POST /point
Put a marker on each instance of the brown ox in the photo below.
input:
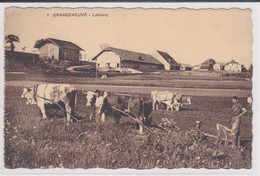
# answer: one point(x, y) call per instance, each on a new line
point(43, 94)
point(107, 104)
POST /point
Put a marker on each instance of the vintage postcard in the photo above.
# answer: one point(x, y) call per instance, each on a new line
point(136, 88)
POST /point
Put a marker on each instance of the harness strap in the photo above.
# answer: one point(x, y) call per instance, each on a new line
point(35, 92)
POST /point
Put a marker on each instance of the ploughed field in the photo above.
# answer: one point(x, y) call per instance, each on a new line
point(32, 142)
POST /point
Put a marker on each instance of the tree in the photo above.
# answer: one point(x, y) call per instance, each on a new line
point(210, 62)
point(11, 39)
point(38, 41)
point(250, 70)
point(104, 46)
point(243, 68)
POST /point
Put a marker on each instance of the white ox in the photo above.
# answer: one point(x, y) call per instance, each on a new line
point(51, 94)
point(173, 101)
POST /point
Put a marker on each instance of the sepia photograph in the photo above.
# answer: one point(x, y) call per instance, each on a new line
point(138, 88)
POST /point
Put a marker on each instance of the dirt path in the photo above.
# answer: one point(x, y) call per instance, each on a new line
point(148, 90)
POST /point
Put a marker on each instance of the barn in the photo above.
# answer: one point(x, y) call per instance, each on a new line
point(219, 66)
point(233, 66)
point(58, 50)
point(115, 59)
point(205, 67)
point(168, 62)
point(185, 67)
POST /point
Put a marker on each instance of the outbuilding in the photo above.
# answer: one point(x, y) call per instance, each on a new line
point(185, 67)
point(58, 50)
point(219, 66)
point(168, 62)
point(115, 59)
point(233, 66)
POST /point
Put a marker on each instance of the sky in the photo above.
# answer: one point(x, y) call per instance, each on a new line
point(189, 36)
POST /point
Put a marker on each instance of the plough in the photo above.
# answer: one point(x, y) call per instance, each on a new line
point(226, 131)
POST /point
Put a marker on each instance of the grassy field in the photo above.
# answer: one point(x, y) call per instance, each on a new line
point(174, 81)
point(32, 142)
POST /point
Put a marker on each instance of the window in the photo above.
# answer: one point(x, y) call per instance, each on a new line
point(117, 65)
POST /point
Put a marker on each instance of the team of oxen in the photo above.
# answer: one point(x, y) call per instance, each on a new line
point(104, 103)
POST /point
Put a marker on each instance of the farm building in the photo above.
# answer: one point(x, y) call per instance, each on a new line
point(58, 50)
point(233, 66)
point(168, 62)
point(115, 59)
point(185, 67)
point(219, 66)
point(204, 67)
point(196, 67)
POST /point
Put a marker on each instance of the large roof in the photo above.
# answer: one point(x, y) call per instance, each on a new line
point(221, 63)
point(168, 58)
point(233, 62)
point(59, 43)
point(131, 56)
point(204, 66)
point(185, 65)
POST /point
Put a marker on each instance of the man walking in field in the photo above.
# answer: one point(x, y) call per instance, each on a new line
point(237, 112)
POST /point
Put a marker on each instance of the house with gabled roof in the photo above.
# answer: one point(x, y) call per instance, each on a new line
point(185, 67)
point(168, 62)
point(59, 50)
point(218, 66)
point(115, 59)
point(233, 66)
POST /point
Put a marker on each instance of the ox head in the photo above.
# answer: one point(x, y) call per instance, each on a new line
point(29, 95)
point(176, 103)
point(95, 98)
point(91, 97)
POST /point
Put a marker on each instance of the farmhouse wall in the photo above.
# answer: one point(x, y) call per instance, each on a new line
point(218, 67)
point(233, 67)
point(49, 50)
point(185, 68)
point(157, 56)
point(69, 54)
point(108, 59)
point(139, 65)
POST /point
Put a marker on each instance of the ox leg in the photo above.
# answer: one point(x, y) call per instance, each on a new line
point(172, 107)
point(117, 118)
point(154, 104)
point(42, 108)
point(103, 118)
point(68, 111)
point(157, 106)
point(141, 129)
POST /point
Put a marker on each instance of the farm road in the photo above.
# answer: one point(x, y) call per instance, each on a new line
point(148, 90)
